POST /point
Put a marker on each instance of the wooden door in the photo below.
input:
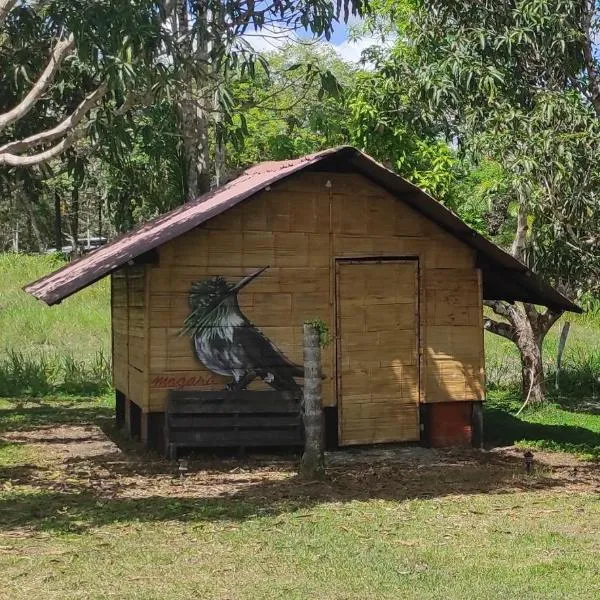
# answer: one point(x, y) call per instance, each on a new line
point(377, 351)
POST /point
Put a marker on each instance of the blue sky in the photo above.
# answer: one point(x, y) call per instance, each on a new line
point(350, 51)
point(340, 33)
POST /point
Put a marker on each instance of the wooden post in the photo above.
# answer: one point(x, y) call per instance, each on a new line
point(561, 347)
point(312, 465)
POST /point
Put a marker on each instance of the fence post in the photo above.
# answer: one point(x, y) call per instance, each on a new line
point(312, 464)
point(559, 353)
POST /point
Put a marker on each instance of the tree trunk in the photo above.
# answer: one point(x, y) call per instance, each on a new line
point(123, 213)
point(16, 237)
point(519, 245)
point(193, 112)
point(532, 367)
point(58, 243)
point(99, 219)
point(32, 226)
point(194, 131)
point(527, 328)
point(312, 465)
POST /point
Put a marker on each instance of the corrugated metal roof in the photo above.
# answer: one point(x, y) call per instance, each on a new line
point(504, 277)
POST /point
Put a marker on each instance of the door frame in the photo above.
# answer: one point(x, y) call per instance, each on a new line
point(339, 261)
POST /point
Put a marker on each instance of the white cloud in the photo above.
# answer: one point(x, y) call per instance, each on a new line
point(275, 37)
point(270, 38)
point(351, 50)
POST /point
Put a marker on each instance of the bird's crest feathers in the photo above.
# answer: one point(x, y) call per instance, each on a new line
point(204, 299)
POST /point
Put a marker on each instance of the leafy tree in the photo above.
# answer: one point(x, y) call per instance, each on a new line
point(142, 172)
point(309, 99)
point(132, 55)
point(386, 122)
point(517, 84)
point(104, 79)
point(63, 64)
point(295, 107)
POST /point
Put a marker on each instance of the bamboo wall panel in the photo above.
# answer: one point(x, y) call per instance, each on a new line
point(137, 387)
point(120, 332)
point(298, 228)
point(129, 326)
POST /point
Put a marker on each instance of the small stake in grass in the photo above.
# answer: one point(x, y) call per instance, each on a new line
point(312, 465)
point(528, 457)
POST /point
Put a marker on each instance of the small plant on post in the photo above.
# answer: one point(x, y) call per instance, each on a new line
point(315, 336)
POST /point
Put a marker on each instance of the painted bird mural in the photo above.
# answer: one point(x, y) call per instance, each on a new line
point(227, 343)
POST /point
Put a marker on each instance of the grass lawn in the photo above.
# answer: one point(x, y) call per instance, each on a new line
point(574, 429)
point(79, 518)
point(64, 348)
point(29, 325)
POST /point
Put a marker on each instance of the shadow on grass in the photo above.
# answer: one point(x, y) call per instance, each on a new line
point(30, 414)
point(504, 429)
point(130, 486)
point(80, 506)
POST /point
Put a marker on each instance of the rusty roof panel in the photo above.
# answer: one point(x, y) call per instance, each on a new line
point(98, 263)
point(504, 276)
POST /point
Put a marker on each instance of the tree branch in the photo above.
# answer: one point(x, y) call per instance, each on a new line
point(532, 314)
point(5, 8)
point(13, 160)
point(588, 57)
point(61, 129)
point(73, 134)
point(61, 50)
point(499, 328)
point(548, 318)
point(500, 307)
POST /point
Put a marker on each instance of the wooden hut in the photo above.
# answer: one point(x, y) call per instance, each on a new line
point(208, 303)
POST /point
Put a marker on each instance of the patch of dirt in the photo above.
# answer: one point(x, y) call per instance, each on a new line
point(555, 460)
point(82, 460)
point(67, 441)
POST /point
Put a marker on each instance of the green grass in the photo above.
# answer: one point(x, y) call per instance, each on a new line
point(26, 414)
point(548, 428)
point(18, 414)
point(570, 421)
point(581, 358)
point(455, 548)
point(64, 348)
point(91, 526)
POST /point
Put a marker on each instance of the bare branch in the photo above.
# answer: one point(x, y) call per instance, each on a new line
point(72, 135)
point(503, 329)
point(61, 129)
point(61, 50)
point(13, 160)
point(548, 318)
point(500, 307)
point(5, 8)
